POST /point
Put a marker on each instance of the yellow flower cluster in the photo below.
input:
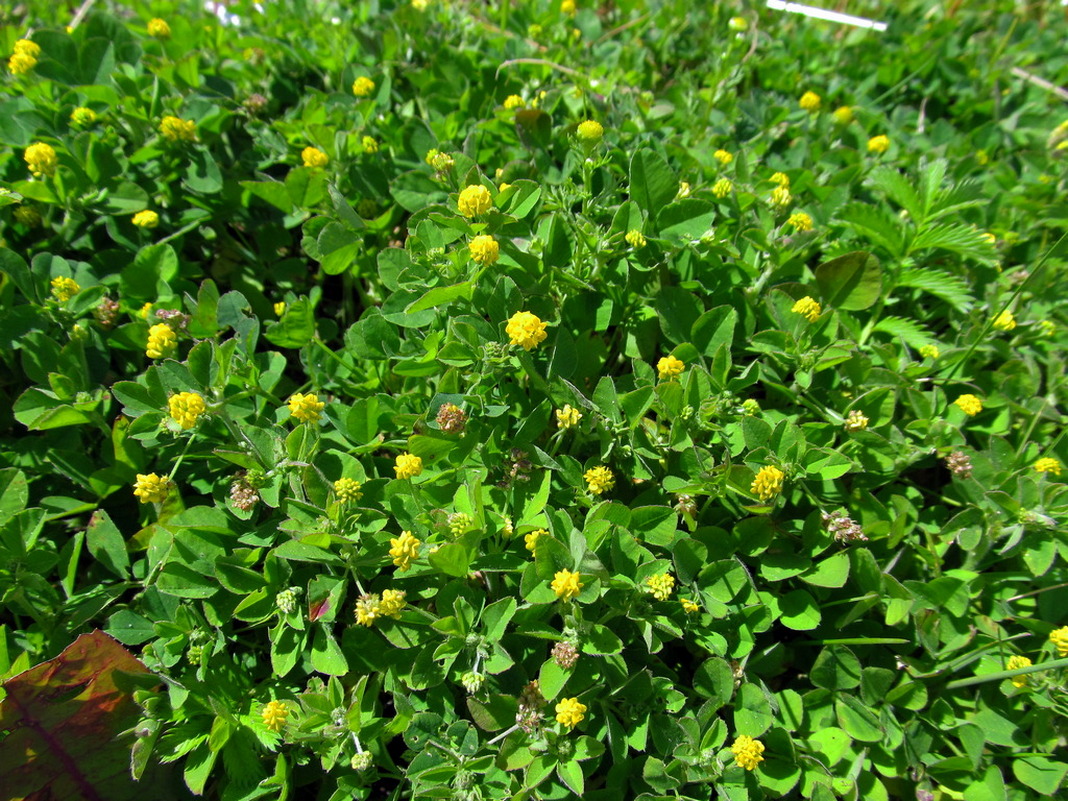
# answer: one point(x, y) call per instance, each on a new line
point(405, 550)
point(689, 607)
point(1016, 662)
point(146, 219)
point(635, 238)
point(810, 102)
point(162, 341)
point(800, 221)
point(526, 330)
point(63, 288)
point(767, 483)
point(566, 585)
point(485, 249)
point(159, 29)
point(568, 7)
point(808, 308)
point(371, 607)
point(722, 188)
point(856, 421)
point(306, 408)
point(1005, 321)
point(589, 132)
point(1059, 638)
point(669, 366)
point(570, 712)
point(843, 115)
point(781, 178)
point(748, 753)
point(780, 197)
point(82, 117)
point(474, 200)
point(567, 417)
point(723, 157)
point(347, 490)
point(661, 586)
point(599, 479)
point(186, 408)
point(930, 351)
point(392, 603)
point(1047, 464)
point(408, 466)
point(442, 162)
point(879, 144)
point(513, 101)
point(370, 145)
point(314, 158)
point(151, 488)
point(175, 129)
point(969, 404)
point(531, 539)
point(363, 86)
point(41, 159)
point(24, 58)
point(275, 715)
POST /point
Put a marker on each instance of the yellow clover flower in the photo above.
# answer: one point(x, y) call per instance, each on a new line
point(363, 86)
point(175, 129)
point(370, 145)
point(767, 483)
point(485, 249)
point(159, 29)
point(1005, 321)
point(1016, 662)
point(27, 47)
point(879, 144)
point(568, 7)
point(151, 488)
point(808, 308)
point(513, 101)
point(810, 102)
point(185, 408)
point(274, 715)
point(313, 157)
point(723, 157)
point(689, 607)
point(82, 117)
point(780, 197)
point(969, 404)
point(748, 752)
point(162, 341)
point(474, 200)
point(843, 115)
point(661, 586)
point(566, 585)
point(589, 132)
point(669, 366)
point(21, 63)
point(367, 609)
point(347, 490)
point(781, 178)
point(1059, 638)
point(567, 417)
point(408, 466)
point(722, 188)
point(526, 330)
point(306, 408)
point(570, 712)
point(800, 221)
point(41, 159)
point(531, 539)
point(146, 219)
point(405, 550)
point(856, 421)
point(279, 308)
point(599, 479)
point(930, 351)
point(392, 603)
point(635, 238)
point(1047, 464)
point(63, 288)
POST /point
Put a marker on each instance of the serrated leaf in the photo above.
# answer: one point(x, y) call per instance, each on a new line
point(876, 224)
point(914, 334)
point(851, 282)
point(950, 288)
point(898, 188)
point(957, 238)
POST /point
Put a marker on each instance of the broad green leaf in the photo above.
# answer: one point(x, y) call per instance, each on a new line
point(851, 282)
point(652, 182)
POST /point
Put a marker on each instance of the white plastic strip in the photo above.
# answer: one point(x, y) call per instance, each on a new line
point(830, 16)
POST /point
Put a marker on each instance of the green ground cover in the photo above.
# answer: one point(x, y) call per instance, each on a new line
point(634, 400)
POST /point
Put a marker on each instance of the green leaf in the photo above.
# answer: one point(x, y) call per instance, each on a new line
point(441, 296)
point(913, 334)
point(202, 173)
point(831, 572)
point(326, 655)
point(1044, 776)
point(686, 220)
point(966, 240)
point(859, 721)
point(14, 492)
point(338, 247)
point(800, 611)
point(273, 192)
point(851, 282)
point(836, 668)
point(452, 559)
point(106, 543)
point(875, 223)
point(652, 182)
point(570, 773)
point(296, 328)
point(714, 680)
point(898, 188)
point(950, 288)
point(130, 628)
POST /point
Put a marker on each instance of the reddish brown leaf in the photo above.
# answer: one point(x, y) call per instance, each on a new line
point(62, 718)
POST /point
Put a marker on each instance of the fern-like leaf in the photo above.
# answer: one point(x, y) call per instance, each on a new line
point(874, 224)
point(899, 190)
point(914, 334)
point(964, 195)
point(951, 289)
point(957, 238)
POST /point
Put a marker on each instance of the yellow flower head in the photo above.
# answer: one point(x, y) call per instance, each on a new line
point(566, 585)
point(367, 609)
point(279, 308)
point(484, 249)
point(1016, 662)
point(186, 408)
point(1005, 321)
point(748, 753)
point(810, 102)
point(21, 63)
point(723, 157)
point(879, 144)
point(152, 488)
point(570, 712)
point(635, 239)
point(159, 29)
point(781, 178)
point(800, 221)
point(568, 7)
point(275, 715)
point(306, 408)
point(27, 47)
point(526, 330)
point(780, 197)
point(722, 188)
point(175, 129)
point(767, 483)
point(82, 117)
point(347, 490)
point(162, 341)
point(363, 86)
point(474, 200)
point(1047, 464)
point(41, 159)
point(599, 479)
point(370, 145)
point(669, 367)
point(63, 288)
point(442, 162)
point(856, 421)
point(392, 603)
point(969, 404)
point(689, 607)
point(843, 115)
point(1059, 638)
point(146, 219)
point(684, 190)
point(313, 157)
point(405, 550)
point(738, 24)
point(568, 416)
point(1049, 328)
point(589, 132)
point(807, 308)
point(930, 351)
point(661, 586)
point(408, 466)
point(513, 101)
point(531, 539)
